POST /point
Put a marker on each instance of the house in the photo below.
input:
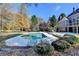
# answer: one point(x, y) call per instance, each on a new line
point(70, 23)
point(63, 25)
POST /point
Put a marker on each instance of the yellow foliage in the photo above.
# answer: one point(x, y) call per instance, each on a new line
point(17, 21)
point(22, 21)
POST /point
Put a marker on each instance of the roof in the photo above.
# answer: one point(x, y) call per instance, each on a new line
point(76, 11)
point(65, 18)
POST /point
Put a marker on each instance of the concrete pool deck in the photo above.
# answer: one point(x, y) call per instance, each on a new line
point(61, 34)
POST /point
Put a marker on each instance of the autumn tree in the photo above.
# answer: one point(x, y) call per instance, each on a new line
point(14, 21)
point(3, 8)
point(18, 21)
point(22, 23)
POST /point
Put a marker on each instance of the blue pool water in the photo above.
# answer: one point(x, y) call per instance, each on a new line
point(34, 36)
point(26, 39)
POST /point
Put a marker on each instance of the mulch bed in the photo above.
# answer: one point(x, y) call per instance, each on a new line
point(30, 52)
point(73, 51)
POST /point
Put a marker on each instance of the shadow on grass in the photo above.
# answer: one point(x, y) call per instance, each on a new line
point(2, 38)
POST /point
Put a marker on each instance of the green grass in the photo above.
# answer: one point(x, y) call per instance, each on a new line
point(2, 38)
point(73, 39)
point(77, 35)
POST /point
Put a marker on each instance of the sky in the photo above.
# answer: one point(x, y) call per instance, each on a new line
point(46, 10)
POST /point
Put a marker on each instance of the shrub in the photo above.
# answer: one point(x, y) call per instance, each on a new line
point(71, 39)
point(43, 49)
point(61, 45)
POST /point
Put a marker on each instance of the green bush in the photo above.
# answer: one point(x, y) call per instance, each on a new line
point(71, 39)
point(61, 45)
point(43, 49)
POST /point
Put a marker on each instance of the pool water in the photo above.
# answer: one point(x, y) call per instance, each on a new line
point(30, 39)
point(34, 36)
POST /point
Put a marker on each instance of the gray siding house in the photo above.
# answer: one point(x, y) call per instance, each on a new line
point(70, 23)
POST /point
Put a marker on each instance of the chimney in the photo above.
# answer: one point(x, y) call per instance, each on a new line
point(73, 9)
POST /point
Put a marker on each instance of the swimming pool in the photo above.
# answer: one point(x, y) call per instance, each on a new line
point(30, 39)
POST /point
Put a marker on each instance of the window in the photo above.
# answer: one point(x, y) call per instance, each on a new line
point(74, 21)
point(70, 22)
point(77, 21)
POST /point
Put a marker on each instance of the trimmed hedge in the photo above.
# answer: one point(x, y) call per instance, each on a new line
point(43, 49)
point(61, 45)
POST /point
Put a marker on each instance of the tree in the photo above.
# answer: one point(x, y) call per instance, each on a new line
point(18, 21)
point(3, 9)
point(23, 11)
point(22, 22)
point(52, 21)
point(62, 15)
point(43, 26)
point(24, 6)
point(34, 22)
point(14, 21)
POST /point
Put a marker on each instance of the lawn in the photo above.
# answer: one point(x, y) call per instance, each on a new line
point(2, 38)
point(77, 35)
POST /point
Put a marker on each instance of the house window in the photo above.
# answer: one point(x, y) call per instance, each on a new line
point(78, 17)
point(70, 22)
point(74, 21)
point(77, 21)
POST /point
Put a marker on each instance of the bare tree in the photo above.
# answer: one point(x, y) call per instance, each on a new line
point(3, 8)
